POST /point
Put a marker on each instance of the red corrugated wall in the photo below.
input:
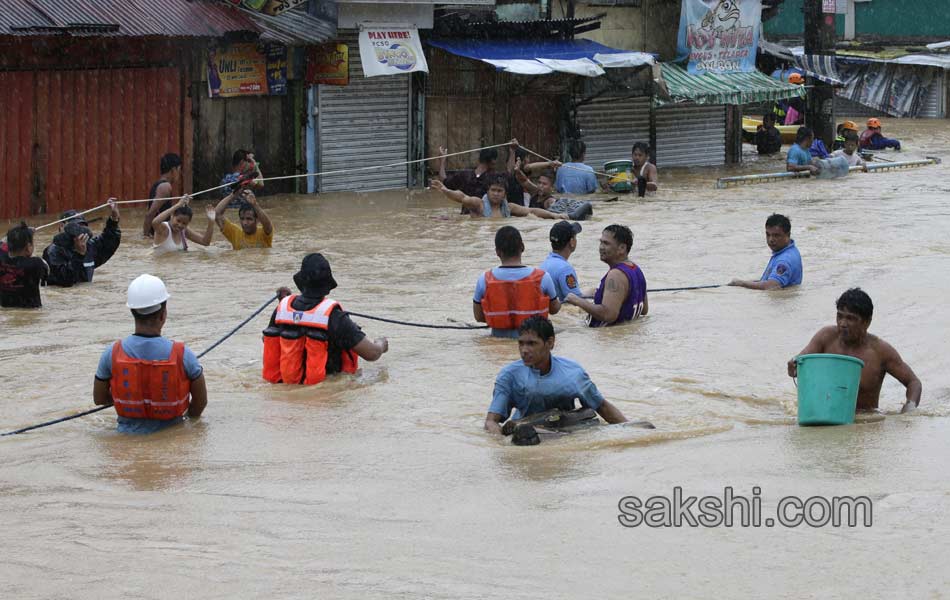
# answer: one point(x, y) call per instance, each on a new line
point(71, 139)
point(16, 142)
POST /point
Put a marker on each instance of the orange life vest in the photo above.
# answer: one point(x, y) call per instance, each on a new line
point(507, 304)
point(296, 350)
point(150, 389)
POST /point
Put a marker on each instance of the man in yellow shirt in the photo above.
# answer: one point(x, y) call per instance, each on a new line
point(255, 231)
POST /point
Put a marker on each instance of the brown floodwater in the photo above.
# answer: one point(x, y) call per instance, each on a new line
point(384, 485)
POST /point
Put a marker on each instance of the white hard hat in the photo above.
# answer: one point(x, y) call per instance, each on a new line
point(146, 294)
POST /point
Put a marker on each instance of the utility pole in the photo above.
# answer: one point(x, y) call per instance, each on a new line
point(820, 39)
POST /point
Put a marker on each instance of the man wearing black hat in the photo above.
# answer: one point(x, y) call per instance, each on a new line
point(75, 253)
point(310, 336)
point(563, 243)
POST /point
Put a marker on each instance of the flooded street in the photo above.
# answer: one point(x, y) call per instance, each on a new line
point(386, 485)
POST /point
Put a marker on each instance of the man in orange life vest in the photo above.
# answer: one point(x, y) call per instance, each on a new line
point(506, 296)
point(152, 381)
point(310, 336)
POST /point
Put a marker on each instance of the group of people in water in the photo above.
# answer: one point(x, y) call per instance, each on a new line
point(153, 381)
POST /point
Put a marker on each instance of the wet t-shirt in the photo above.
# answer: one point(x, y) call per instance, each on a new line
point(521, 390)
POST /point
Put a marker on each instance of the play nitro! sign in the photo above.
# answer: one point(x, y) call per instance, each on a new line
point(719, 36)
point(391, 51)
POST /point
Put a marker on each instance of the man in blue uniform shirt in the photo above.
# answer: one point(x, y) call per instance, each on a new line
point(540, 381)
point(785, 266)
point(563, 243)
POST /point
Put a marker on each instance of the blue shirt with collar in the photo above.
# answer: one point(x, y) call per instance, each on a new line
point(526, 391)
point(785, 266)
point(575, 178)
point(563, 274)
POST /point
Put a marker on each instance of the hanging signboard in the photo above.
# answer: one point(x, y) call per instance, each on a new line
point(391, 51)
point(719, 36)
point(328, 64)
point(270, 7)
point(247, 70)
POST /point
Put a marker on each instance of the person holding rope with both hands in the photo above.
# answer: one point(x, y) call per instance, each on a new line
point(309, 335)
point(152, 381)
point(174, 234)
point(494, 203)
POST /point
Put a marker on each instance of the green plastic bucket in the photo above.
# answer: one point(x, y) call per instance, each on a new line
point(621, 175)
point(827, 388)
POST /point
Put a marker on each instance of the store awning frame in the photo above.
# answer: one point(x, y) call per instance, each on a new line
point(542, 57)
point(677, 86)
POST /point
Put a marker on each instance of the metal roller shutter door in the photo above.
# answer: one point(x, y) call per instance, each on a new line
point(362, 124)
point(932, 104)
point(691, 136)
point(610, 127)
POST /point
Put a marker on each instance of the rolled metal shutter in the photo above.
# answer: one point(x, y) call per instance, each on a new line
point(610, 126)
point(845, 107)
point(932, 104)
point(363, 124)
point(691, 136)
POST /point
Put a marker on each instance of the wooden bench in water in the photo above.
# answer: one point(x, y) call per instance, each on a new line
point(724, 182)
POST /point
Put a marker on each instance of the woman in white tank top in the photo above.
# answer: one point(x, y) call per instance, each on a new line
point(174, 234)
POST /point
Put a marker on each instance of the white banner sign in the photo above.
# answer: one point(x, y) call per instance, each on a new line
point(391, 51)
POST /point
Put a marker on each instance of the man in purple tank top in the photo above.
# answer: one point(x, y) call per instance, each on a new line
point(622, 294)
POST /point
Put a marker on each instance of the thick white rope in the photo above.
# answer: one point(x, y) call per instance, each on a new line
point(282, 177)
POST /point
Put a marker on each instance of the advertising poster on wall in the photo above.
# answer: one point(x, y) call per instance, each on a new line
point(247, 70)
point(391, 51)
point(329, 64)
point(719, 36)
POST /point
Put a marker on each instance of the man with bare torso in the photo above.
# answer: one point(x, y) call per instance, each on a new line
point(850, 337)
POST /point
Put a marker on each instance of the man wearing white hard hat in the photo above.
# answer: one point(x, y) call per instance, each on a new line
point(152, 381)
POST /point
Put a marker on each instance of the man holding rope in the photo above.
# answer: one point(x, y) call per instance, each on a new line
point(152, 381)
point(494, 203)
point(310, 336)
point(622, 295)
point(75, 253)
point(256, 229)
point(785, 266)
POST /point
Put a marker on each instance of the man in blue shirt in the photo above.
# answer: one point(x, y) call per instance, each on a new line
point(563, 243)
point(799, 155)
point(506, 303)
point(540, 381)
point(785, 266)
point(575, 177)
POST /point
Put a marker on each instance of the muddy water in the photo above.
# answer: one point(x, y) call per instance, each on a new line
point(385, 486)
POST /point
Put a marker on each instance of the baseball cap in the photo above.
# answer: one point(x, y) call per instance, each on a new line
point(562, 231)
point(73, 216)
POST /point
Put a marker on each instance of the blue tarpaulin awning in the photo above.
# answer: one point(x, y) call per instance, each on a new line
point(540, 57)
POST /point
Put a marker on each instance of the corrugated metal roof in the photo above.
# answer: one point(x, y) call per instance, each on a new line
point(165, 18)
point(722, 88)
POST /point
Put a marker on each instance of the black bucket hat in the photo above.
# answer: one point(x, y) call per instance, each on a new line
point(315, 279)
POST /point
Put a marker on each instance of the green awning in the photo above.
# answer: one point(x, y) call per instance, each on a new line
point(721, 88)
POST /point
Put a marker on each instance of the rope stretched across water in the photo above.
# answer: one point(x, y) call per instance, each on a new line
point(98, 408)
point(282, 177)
point(411, 324)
